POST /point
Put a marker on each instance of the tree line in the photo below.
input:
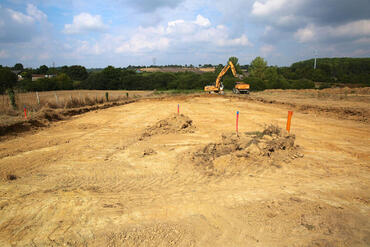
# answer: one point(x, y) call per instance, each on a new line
point(259, 75)
point(343, 70)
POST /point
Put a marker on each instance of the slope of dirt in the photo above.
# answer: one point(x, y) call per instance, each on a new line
point(46, 115)
point(89, 180)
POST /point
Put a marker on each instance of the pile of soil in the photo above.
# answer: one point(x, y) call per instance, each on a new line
point(176, 123)
point(271, 148)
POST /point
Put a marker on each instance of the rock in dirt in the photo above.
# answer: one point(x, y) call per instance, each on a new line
point(149, 151)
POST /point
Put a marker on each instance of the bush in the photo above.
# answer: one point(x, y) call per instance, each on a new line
point(278, 83)
point(256, 84)
point(324, 85)
point(12, 98)
point(302, 84)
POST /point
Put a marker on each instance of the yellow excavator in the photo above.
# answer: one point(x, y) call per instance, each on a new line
point(239, 87)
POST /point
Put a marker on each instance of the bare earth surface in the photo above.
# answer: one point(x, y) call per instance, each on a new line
point(138, 175)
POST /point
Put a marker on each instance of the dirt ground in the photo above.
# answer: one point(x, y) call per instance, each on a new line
point(140, 175)
point(347, 103)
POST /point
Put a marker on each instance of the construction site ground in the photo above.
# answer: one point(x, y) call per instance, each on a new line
point(129, 176)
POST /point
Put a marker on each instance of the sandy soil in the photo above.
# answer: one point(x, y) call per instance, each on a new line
point(138, 175)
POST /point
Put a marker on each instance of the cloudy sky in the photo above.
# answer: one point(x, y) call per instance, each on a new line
point(98, 33)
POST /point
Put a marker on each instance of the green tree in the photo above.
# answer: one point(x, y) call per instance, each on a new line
point(77, 72)
point(43, 69)
point(256, 84)
point(7, 79)
point(258, 67)
point(271, 74)
point(18, 66)
point(63, 82)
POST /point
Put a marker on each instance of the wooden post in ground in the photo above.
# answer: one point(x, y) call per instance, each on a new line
point(38, 98)
point(56, 97)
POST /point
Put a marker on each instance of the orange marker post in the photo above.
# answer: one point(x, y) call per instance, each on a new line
point(178, 108)
point(290, 114)
point(25, 112)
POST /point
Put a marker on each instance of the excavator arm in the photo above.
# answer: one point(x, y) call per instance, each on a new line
point(218, 88)
point(223, 72)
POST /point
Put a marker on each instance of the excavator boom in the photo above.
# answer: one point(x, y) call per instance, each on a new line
point(218, 87)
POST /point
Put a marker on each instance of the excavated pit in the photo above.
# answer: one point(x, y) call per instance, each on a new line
point(250, 151)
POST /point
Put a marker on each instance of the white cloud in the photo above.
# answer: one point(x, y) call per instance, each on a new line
point(34, 12)
point(180, 27)
point(311, 32)
point(20, 17)
point(241, 41)
point(177, 33)
point(270, 6)
point(141, 43)
point(356, 28)
point(287, 20)
point(305, 34)
point(202, 21)
point(85, 22)
point(267, 49)
point(17, 27)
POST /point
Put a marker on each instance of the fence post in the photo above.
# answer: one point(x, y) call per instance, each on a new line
point(38, 97)
point(56, 97)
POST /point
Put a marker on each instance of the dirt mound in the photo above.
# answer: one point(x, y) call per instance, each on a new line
point(250, 150)
point(176, 123)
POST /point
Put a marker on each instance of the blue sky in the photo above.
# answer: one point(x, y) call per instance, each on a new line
point(133, 32)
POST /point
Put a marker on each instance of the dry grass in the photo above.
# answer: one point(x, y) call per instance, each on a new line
point(62, 99)
point(331, 94)
point(178, 69)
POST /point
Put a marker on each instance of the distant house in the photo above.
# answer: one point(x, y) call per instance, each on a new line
point(40, 76)
point(18, 73)
point(35, 77)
